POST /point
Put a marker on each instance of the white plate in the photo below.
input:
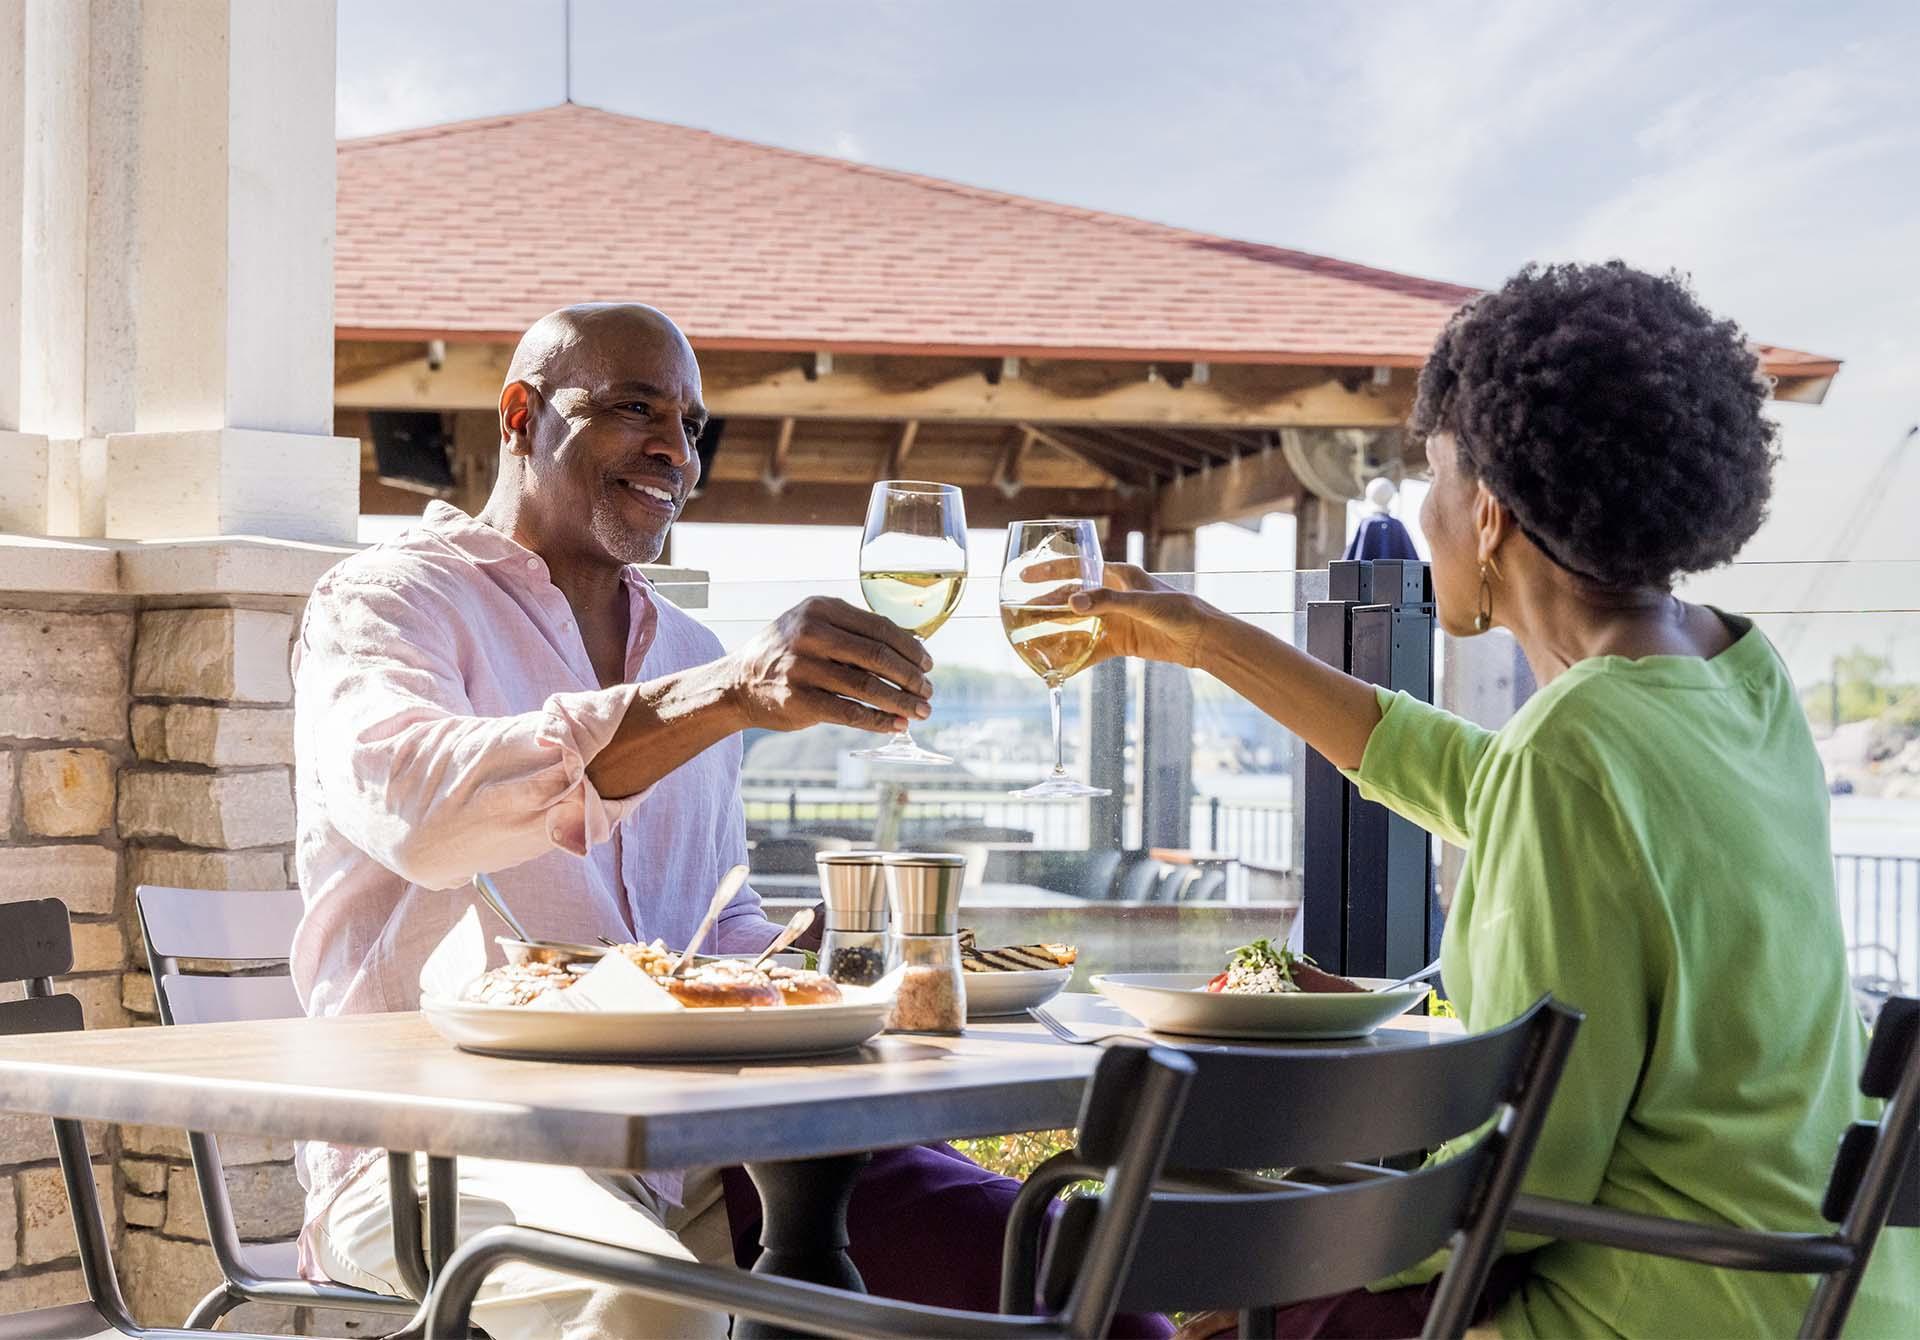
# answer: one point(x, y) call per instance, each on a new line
point(1178, 1002)
point(781, 1030)
point(994, 993)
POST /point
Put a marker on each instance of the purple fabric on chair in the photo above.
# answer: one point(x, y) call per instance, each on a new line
point(926, 1225)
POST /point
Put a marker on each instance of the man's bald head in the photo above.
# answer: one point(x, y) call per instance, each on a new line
point(598, 420)
point(554, 348)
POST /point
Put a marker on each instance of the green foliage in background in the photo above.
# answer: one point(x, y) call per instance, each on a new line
point(1015, 1155)
point(1860, 688)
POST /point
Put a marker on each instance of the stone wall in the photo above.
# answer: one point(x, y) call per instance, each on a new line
point(143, 740)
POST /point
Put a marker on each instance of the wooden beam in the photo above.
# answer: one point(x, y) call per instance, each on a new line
point(1006, 475)
point(776, 474)
point(1249, 486)
point(774, 386)
point(730, 502)
point(897, 462)
point(1129, 471)
point(1159, 446)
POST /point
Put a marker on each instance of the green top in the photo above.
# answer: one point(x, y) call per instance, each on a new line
point(1648, 841)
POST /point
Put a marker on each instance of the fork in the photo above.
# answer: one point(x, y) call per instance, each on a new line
point(1040, 1016)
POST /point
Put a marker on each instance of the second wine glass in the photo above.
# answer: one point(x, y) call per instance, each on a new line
point(913, 571)
point(1047, 563)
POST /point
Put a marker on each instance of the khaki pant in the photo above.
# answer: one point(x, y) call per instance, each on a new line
point(354, 1245)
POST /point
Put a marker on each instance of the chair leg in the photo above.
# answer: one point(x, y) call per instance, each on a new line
point(206, 1315)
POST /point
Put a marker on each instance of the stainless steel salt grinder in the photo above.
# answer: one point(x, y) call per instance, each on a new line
point(855, 892)
point(923, 891)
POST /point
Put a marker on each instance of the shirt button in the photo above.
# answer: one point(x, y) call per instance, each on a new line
point(533, 563)
point(566, 625)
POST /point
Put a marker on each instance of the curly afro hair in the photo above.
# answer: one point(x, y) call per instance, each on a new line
point(1619, 422)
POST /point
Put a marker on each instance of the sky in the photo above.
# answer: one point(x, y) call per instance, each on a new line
point(1770, 150)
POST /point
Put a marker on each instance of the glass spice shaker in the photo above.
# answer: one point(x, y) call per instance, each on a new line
point(923, 893)
point(853, 948)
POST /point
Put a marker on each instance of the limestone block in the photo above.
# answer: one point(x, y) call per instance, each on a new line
point(99, 999)
point(85, 878)
point(63, 675)
point(23, 1138)
point(24, 474)
point(46, 1218)
point(240, 655)
point(146, 1177)
point(66, 792)
point(242, 809)
point(164, 1277)
point(9, 1217)
point(136, 995)
point(46, 1288)
point(98, 946)
point(219, 737)
point(259, 869)
point(144, 1211)
point(236, 1151)
point(232, 481)
point(6, 792)
point(268, 1202)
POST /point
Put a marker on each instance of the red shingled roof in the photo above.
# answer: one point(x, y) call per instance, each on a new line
point(475, 229)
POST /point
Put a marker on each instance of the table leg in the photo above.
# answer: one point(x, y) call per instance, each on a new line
point(443, 1212)
point(803, 1227)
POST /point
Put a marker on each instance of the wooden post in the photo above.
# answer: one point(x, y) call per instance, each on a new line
point(476, 458)
point(1106, 727)
point(1320, 531)
point(1166, 733)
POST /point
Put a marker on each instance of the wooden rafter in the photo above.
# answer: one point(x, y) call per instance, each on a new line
point(1101, 457)
point(776, 475)
point(897, 461)
point(1159, 446)
point(1006, 475)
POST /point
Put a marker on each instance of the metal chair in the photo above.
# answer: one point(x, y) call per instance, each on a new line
point(252, 930)
point(1875, 1184)
point(1193, 1237)
point(36, 945)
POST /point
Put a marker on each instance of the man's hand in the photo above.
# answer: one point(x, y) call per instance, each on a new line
point(825, 660)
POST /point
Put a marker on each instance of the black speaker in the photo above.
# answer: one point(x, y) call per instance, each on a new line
point(412, 450)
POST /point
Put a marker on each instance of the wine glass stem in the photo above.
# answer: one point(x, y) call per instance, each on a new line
point(1059, 751)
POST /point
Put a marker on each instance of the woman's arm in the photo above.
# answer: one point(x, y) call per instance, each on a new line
point(1143, 616)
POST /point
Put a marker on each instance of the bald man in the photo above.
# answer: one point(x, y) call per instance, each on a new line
point(506, 693)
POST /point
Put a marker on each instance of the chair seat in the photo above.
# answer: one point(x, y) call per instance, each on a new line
point(72, 1321)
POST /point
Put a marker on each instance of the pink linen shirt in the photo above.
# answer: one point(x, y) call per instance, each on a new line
point(445, 710)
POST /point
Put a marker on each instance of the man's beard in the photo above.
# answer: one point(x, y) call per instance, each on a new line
point(619, 538)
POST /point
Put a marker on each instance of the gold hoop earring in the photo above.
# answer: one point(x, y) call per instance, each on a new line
point(1483, 617)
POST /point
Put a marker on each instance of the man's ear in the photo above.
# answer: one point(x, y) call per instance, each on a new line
point(516, 418)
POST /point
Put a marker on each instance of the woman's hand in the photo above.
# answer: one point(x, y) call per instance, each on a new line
point(1142, 616)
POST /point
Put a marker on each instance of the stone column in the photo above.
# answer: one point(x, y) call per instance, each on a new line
point(177, 310)
point(23, 456)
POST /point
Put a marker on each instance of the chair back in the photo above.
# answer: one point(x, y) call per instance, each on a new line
point(222, 925)
point(1255, 1242)
point(1876, 1175)
point(36, 945)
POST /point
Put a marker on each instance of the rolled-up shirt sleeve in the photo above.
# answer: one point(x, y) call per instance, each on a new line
point(411, 775)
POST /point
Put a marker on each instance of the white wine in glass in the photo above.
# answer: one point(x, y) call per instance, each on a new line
point(913, 571)
point(1048, 562)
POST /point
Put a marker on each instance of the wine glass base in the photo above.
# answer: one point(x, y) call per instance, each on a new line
point(1059, 788)
point(909, 752)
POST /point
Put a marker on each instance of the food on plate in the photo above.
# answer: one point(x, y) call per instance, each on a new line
point(1261, 969)
point(722, 983)
point(655, 960)
point(1015, 958)
point(521, 983)
point(799, 986)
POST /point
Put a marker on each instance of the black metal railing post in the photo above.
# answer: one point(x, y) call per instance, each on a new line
point(1366, 873)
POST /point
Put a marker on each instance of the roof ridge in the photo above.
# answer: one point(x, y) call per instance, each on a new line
point(1271, 253)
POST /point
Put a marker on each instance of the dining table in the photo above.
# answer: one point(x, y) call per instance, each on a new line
point(802, 1127)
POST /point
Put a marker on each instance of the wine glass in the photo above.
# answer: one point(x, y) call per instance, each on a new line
point(913, 570)
point(1048, 562)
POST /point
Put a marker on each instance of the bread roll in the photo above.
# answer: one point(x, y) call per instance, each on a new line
point(801, 987)
point(723, 984)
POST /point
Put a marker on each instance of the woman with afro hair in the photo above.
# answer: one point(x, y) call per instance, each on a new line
point(1647, 838)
